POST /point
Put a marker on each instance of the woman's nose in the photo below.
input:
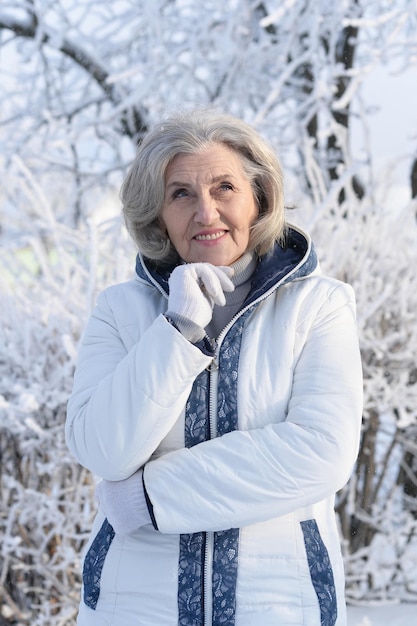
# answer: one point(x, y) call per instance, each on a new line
point(206, 209)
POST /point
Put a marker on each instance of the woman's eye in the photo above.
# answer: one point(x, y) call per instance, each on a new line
point(226, 187)
point(180, 193)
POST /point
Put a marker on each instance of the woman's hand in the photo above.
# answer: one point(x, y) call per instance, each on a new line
point(194, 289)
point(123, 502)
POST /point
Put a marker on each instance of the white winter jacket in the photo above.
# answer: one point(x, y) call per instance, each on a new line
point(243, 449)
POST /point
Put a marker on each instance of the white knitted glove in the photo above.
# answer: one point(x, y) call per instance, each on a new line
point(123, 503)
point(194, 289)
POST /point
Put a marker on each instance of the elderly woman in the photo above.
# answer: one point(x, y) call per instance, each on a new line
point(219, 396)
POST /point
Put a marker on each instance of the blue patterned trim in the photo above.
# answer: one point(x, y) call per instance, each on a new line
point(93, 564)
point(192, 546)
point(321, 572)
point(225, 565)
point(190, 580)
point(196, 412)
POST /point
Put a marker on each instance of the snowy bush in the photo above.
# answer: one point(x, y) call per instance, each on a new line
point(50, 274)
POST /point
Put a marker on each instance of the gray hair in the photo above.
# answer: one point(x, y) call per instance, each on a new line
point(143, 189)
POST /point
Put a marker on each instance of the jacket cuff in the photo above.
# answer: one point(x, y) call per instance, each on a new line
point(191, 331)
point(149, 503)
point(202, 342)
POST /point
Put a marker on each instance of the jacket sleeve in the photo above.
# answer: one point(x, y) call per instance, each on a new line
point(245, 477)
point(124, 402)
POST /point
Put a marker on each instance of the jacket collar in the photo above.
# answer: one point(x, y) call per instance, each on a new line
point(283, 264)
point(296, 259)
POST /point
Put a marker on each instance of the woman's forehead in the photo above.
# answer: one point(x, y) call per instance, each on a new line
point(212, 162)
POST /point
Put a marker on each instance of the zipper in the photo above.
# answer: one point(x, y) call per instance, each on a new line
point(209, 535)
point(213, 380)
point(208, 580)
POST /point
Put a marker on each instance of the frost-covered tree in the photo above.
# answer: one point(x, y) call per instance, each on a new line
point(81, 82)
point(93, 75)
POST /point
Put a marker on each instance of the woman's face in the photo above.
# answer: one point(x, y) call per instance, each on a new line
point(208, 206)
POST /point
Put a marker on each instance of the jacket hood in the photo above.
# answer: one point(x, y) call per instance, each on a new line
point(284, 263)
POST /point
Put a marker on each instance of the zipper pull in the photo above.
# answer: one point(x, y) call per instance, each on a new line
point(212, 342)
point(214, 365)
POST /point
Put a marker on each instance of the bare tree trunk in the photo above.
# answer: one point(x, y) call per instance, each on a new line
point(345, 55)
point(362, 531)
point(413, 177)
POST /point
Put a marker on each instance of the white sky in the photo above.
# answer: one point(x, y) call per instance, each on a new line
point(392, 120)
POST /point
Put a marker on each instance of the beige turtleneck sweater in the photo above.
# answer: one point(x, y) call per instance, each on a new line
point(242, 278)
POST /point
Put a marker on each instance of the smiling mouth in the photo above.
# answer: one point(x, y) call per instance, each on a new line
point(210, 237)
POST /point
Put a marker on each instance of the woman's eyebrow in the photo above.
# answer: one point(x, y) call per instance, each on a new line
point(215, 179)
point(177, 183)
